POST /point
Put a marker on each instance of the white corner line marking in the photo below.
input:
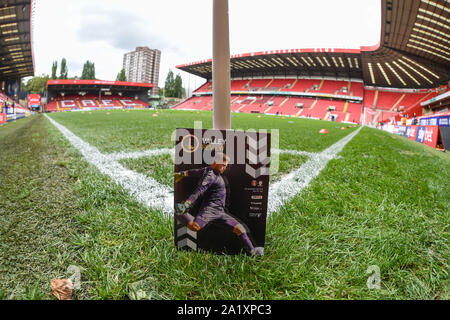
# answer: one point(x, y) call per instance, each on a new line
point(153, 194)
point(140, 154)
point(146, 190)
point(290, 185)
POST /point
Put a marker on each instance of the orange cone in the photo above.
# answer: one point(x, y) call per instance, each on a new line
point(323, 131)
point(343, 128)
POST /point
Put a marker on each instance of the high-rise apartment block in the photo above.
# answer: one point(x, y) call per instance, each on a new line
point(142, 65)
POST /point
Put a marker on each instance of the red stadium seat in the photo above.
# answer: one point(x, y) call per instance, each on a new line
point(382, 104)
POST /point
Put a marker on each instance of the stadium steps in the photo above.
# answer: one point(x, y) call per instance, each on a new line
point(321, 85)
point(345, 107)
point(299, 113)
point(354, 110)
point(246, 86)
point(175, 106)
point(121, 104)
point(314, 104)
point(398, 102)
point(327, 115)
point(236, 98)
point(268, 85)
point(375, 119)
point(421, 100)
point(375, 99)
point(242, 107)
point(285, 100)
point(267, 110)
point(292, 85)
point(347, 117)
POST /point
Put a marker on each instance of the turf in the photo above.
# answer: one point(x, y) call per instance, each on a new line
point(383, 202)
point(37, 209)
point(114, 131)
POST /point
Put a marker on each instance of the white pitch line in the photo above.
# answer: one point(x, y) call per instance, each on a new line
point(145, 189)
point(294, 152)
point(289, 186)
point(156, 152)
point(155, 195)
point(140, 154)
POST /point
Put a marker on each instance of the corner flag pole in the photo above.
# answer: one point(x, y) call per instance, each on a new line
point(221, 66)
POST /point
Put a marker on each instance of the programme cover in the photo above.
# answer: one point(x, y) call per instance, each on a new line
point(221, 190)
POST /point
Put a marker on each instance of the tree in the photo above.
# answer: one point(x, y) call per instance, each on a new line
point(54, 69)
point(92, 71)
point(178, 87)
point(169, 86)
point(84, 73)
point(121, 76)
point(88, 71)
point(37, 84)
point(64, 71)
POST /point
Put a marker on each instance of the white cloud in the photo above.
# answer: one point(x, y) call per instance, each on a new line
point(103, 30)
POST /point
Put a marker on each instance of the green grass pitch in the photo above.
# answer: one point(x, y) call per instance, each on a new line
point(384, 201)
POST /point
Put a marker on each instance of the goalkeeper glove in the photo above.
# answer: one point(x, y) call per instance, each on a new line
point(181, 208)
point(179, 176)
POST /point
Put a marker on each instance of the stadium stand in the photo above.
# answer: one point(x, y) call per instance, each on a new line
point(369, 98)
point(284, 103)
point(13, 114)
point(347, 88)
point(397, 77)
point(239, 85)
point(76, 95)
point(414, 99)
point(332, 87)
point(302, 85)
point(3, 97)
point(274, 96)
point(90, 102)
point(356, 89)
point(259, 84)
point(393, 78)
point(207, 87)
point(355, 110)
point(17, 106)
point(387, 100)
point(278, 84)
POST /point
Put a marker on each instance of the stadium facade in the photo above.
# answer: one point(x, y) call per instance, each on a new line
point(409, 66)
point(16, 55)
point(16, 44)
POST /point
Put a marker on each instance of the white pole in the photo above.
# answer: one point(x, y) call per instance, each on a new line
point(221, 66)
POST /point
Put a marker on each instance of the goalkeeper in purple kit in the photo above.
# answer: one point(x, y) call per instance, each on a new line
point(212, 191)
